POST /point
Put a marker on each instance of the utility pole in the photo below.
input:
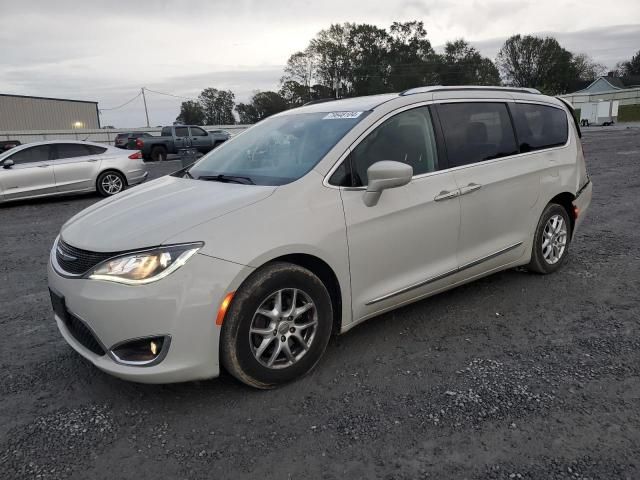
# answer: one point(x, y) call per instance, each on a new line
point(146, 112)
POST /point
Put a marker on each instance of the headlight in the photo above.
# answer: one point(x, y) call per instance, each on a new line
point(138, 268)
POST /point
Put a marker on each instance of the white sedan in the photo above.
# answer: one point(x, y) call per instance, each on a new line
point(59, 167)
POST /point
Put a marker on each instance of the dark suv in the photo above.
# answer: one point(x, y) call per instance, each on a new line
point(128, 139)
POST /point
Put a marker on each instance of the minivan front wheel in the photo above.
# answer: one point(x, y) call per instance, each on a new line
point(551, 241)
point(277, 327)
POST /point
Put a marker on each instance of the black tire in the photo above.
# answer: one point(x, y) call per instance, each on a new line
point(158, 154)
point(539, 262)
point(110, 177)
point(237, 345)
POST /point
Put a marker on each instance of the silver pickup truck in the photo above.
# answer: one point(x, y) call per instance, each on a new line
point(177, 137)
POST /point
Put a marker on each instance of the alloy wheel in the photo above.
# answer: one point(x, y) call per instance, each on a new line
point(554, 239)
point(283, 328)
point(112, 184)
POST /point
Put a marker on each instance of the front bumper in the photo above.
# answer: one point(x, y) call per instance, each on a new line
point(182, 306)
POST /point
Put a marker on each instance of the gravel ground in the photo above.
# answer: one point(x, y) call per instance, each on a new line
point(516, 376)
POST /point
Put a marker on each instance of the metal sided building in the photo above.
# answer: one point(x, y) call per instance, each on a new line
point(20, 113)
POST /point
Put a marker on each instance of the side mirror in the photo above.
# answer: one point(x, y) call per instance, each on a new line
point(383, 175)
point(7, 163)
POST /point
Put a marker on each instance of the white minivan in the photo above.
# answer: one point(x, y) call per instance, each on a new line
point(311, 222)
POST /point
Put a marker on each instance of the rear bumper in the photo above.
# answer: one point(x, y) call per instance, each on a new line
point(137, 177)
point(582, 202)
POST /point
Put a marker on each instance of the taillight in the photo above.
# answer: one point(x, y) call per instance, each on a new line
point(135, 156)
point(139, 143)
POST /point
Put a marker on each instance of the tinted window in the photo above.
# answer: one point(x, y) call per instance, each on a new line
point(166, 132)
point(278, 150)
point(198, 132)
point(94, 150)
point(30, 155)
point(407, 137)
point(71, 150)
point(539, 126)
point(182, 132)
point(474, 132)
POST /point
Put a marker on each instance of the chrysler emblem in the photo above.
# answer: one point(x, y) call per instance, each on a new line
point(66, 256)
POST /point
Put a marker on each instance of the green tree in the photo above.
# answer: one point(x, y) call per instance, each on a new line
point(330, 47)
point(261, 106)
point(461, 64)
point(413, 62)
point(191, 113)
point(586, 68)
point(630, 67)
point(536, 62)
point(299, 74)
point(368, 48)
point(218, 106)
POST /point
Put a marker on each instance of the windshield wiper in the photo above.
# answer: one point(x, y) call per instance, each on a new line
point(227, 179)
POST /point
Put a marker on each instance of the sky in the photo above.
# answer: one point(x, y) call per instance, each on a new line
point(106, 51)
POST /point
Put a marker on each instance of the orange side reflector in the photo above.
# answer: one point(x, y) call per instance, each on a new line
point(576, 212)
point(222, 311)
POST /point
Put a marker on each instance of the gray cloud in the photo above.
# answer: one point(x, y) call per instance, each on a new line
point(106, 51)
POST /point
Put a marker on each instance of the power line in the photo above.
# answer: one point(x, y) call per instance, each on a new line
point(170, 94)
point(124, 104)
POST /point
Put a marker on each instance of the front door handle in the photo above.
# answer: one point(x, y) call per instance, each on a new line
point(446, 195)
point(43, 166)
point(472, 187)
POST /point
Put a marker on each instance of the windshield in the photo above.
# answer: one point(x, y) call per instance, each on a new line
point(277, 150)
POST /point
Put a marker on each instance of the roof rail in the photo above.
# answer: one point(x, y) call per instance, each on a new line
point(442, 88)
point(320, 100)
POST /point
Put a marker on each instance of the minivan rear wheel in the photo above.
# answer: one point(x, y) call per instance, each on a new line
point(551, 240)
point(277, 327)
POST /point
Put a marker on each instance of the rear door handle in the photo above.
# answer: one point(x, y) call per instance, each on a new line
point(472, 187)
point(93, 160)
point(43, 166)
point(446, 195)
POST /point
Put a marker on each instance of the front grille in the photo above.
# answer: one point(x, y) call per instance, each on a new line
point(76, 261)
point(82, 334)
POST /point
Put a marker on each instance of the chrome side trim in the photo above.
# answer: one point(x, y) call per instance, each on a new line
point(489, 257)
point(443, 275)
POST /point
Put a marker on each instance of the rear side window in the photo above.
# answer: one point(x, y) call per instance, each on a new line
point(539, 126)
point(165, 132)
point(71, 150)
point(182, 132)
point(475, 132)
point(198, 132)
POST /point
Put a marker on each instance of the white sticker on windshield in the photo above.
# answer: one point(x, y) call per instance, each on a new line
point(341, 115)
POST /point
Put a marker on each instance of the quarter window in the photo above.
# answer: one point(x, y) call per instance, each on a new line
point(539, 126)
point(41, 153)
point(475, 132)
point(407, 137)
point(95, 150)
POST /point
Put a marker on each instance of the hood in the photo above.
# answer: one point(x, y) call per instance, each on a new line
point(146, 215)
